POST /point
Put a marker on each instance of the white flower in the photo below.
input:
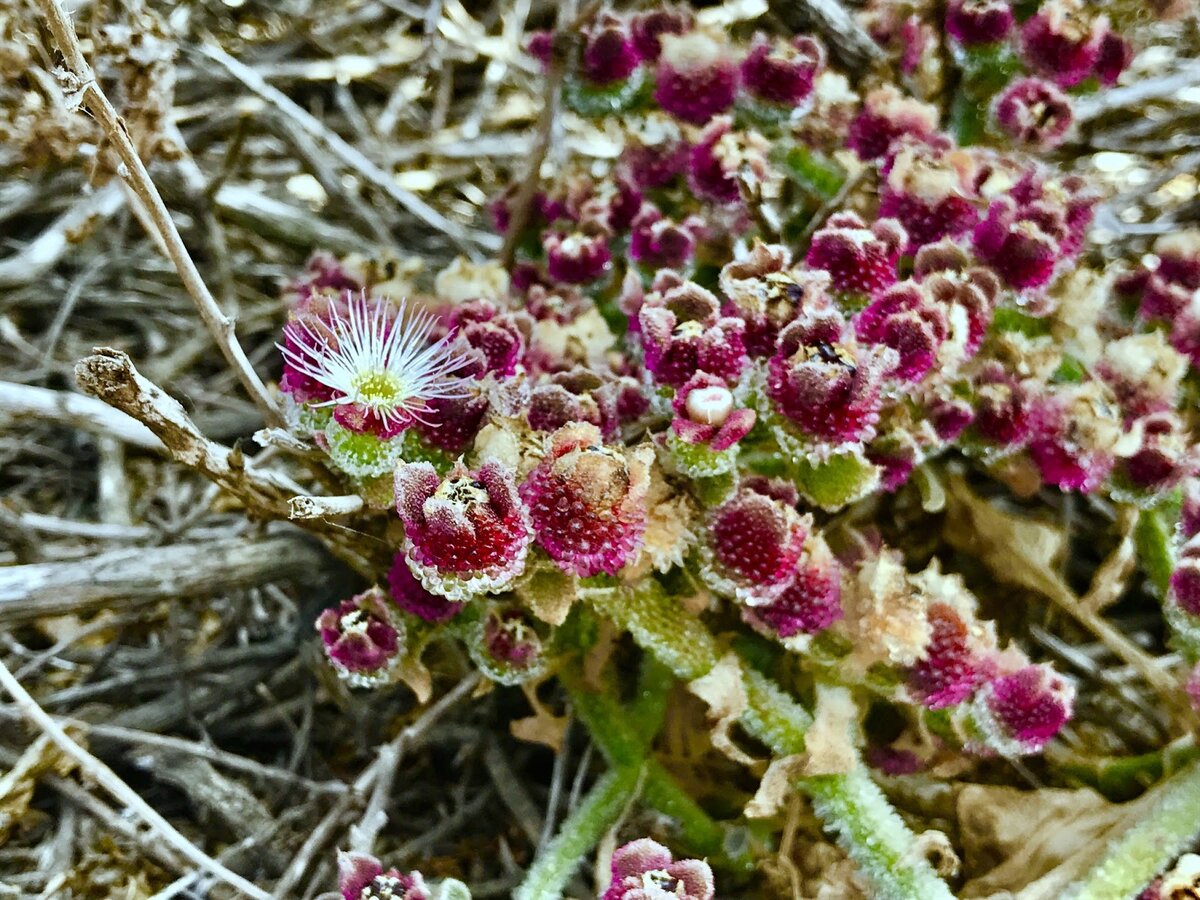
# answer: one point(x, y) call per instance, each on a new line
point(383, 364)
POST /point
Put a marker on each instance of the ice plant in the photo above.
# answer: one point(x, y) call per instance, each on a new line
point(362, 638)
point(1017, 713)
point(380, 366)
point(645, 870)
point(697, 77)
point(506, 645)
point(1034, 113)
point(975, 23)
point(707, 426)
point(465, 534)
point(587, 501)
point(861, 260)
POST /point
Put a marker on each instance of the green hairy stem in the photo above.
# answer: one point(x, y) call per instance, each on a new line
point(852, 806)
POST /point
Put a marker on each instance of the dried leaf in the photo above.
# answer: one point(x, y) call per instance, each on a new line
point(725, 693)
point(830, 738)
point(18, 783)
point(776, 786)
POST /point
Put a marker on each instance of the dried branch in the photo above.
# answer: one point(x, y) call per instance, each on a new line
point(22, 401)
point(102, 775)
point(81, 81)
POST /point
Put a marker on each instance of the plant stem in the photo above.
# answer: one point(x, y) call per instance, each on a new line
point(854, 808)
point(94, 99)
point(1150, 845)
point(580, 832)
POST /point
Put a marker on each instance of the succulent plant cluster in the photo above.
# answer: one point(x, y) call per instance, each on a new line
point(780, 300)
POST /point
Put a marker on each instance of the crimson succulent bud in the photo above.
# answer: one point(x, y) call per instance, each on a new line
point(824, 382)
point(1185, 330)
point(506, 645)
point(1062, 41)
point(1023, 248)
point(1020, 712)
point(974, 290)
point(650, 27)
point(782, 74)
point(1164, 457)
point(1116, 53)
point(656, 242)
point(1078, 435)
point(1002, 408)
point(655, 152)
point(755, 544)
point(645, 870)
point(683, 332)
point(411, 596)
point(362, 638)
point(576, 257)
point(905, 318)
point(465, 534)
point(948, 671)
point(887, 115)
point(697, 77)
point(578, 395)
point(588, 501)
point(979, 22)
point(608, 52)
point(809, 605)
point(362, 877)
point(860, 260)
point(723, 159)
point(767, 293)
point(928, 188)
point(1185, 580)
point(540, 45)
point(1034, 112)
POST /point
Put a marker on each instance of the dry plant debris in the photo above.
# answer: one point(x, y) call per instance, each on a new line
point(622, 451)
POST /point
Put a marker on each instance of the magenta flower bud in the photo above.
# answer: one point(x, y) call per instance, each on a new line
point(905, 318)
point(683, 332)
point(978, 22)
point(810, 604)
point(948, 671)
point(1062, 204)
point(1023, 250)
point(859, 260)
point(466, 534)
point(506, 645)
point(410, 596)
point(499, 336)
point(1164, 457)
point(645, 870)
point(588, 501)
point(1189, 514)
point(1185, 331)
point(887, 115)
point(656, 242)
point(782, 74)
point(576, 258)
point(1185, 580)
point(1062, 41)
point(655, 152)
point(1034, 112)
point(609, 205)
point(1179, 258)
point(697, 78)
point(1116, 53)
point(824, 382)
point(362, 638)
point(706, 413)
point(579, 395)
point(1021, 712)
point(767, 293)
point(723, 159)
point(945, 276)
point(754, 547)
point(927, 188)
point(609, 55)
point(1002, 408)
point(361, 877)
point(1078, 433)
point(540, 45)
point(950, 416)
point(648, 28)
point(325, 279)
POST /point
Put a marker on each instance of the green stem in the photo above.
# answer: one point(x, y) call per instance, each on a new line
point(624, 745)
point(1150, 845)
point(599, 810)
point(869, 830)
